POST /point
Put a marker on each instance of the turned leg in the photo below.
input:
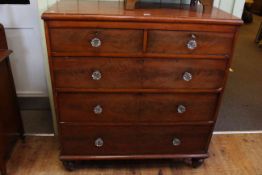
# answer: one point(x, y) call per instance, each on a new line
point(197, 162)
point(69, 165)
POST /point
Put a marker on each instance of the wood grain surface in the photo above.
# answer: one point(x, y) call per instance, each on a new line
point(124, 73)
point(115, 11)
point(136, 107)
point(229, 155)
point(133, 140)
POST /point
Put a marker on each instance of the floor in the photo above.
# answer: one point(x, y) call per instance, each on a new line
point(229, 155)
point(241, 109)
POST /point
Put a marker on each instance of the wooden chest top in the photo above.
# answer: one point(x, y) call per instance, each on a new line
point(115, 11)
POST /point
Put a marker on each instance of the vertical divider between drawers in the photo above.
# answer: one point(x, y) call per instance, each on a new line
point(145, 40)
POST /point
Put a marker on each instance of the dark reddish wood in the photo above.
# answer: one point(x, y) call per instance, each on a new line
point(145, 40)
point(156, 91)
point(129, 140)
point(4, 54)
point(175, 42)
point(112, 40)
point(143, 25)
point(123, 157)
point(142, 60)
point(225, 78)
point(138, 73)
point(10, 121)
point(136, 108)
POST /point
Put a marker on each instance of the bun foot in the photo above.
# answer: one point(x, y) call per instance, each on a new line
point(197, 162)
point(69, 165)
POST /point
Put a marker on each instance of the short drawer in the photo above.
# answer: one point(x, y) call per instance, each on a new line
point(182, 42)
point(126, 140)
point(136, 108)
point(117, 73)
point(96, 41)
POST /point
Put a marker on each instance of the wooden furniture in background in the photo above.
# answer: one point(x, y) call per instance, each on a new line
point(137, 84)
point(257, 7)
point(259, 36)
point(11, 126)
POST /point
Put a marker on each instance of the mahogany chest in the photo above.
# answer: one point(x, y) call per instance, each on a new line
point(137, 84)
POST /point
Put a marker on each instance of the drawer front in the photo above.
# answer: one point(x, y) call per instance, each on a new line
point(136, 108)
point(126, 140)
point(96, 41)
point(181, 42)
point(117, 73)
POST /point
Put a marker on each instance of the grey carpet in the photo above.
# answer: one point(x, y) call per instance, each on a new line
point(241, 109)
point(37, 121)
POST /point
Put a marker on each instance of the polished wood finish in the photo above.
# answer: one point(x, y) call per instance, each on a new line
point(10, 121)
point(133, 140)
point(145, 65)
point(174, 42)
point(4, 54)
point(106, 11)
point(136, 108)
point(112, 40)
point(229, 154)
point(138, 73)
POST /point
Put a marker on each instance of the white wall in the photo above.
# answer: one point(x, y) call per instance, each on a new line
point(234, 7)
point(24, 38)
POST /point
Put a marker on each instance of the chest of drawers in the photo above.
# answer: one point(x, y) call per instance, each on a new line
point(137, 84)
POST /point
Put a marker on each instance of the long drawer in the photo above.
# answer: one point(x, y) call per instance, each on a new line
point(136, 108)
point(182, 42)
point(96, 41)
point(138, 73)
point(134, 140)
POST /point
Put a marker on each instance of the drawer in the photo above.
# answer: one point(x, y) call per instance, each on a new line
point(126, 140)
point(136, 108)
point(96, 41)
point(181, 42)
point(117, 73)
